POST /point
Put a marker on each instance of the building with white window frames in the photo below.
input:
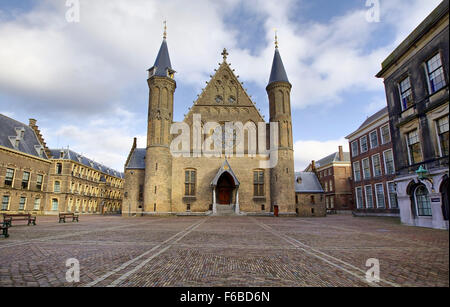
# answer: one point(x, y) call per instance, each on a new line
point(373, 169)
point(416, 77)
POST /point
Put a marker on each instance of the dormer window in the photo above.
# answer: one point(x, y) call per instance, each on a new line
point(299, 180)
point(20, 133)
point(61, 154)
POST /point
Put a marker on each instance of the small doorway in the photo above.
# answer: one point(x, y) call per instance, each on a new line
point(225, 188)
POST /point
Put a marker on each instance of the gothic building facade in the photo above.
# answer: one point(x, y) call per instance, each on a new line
point(250, 171)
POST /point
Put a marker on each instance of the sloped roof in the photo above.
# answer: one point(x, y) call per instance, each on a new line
point(29, 144)
point(374, 117)
point(309, 183)
point(162, 63)
point(334, 157)
point(67, 154)
point(278, 73)
point(137, 159)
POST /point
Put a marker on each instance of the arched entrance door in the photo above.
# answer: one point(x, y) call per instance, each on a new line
point(224, 189)
point(444, 193)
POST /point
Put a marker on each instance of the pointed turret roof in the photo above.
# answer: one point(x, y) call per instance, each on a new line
point(278, 73)
point(163, 66)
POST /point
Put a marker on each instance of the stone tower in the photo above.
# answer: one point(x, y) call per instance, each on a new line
point(158, 161)
point(282, 175)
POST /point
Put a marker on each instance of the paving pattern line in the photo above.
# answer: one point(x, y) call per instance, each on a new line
point(366, 233)
point(69, 235)
point(183, 233)
point(320, 255)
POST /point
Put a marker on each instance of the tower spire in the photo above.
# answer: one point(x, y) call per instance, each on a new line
point(163, 66)
point(278, 73)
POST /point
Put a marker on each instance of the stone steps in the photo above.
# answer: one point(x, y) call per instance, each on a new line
point(225, 210)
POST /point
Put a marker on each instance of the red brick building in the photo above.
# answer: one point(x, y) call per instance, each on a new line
point(334, 173)
point(373, 167)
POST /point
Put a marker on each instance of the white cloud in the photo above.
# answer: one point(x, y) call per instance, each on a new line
point(306, 151)
point(85, 69)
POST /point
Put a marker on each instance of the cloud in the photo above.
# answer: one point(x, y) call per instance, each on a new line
point(306, 151)
point(87, 78)
point(105, 141)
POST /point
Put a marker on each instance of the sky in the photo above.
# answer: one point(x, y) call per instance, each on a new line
point(86, 81)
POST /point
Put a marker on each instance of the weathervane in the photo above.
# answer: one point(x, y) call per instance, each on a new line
point(165, 29)
point(276, 38)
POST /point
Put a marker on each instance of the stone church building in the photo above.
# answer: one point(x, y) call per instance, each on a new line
point(161, 181)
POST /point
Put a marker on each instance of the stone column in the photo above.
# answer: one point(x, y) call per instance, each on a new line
point(436, 209)
point(237, 210)
point(214, 201)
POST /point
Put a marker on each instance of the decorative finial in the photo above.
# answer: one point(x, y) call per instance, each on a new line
point(224, 54)
point(276, 38)
point(165, 29)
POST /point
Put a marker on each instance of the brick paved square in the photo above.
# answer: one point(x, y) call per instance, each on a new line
point(224, 251)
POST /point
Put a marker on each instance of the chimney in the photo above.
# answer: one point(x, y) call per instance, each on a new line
point(32, 122)
point(313, 166)
point(341, 154)
point(134, 143)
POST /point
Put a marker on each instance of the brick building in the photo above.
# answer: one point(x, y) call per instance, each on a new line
point(416, 78)
point(309, 195)
point(373, 168)
point(334, 173)
point(41, 181)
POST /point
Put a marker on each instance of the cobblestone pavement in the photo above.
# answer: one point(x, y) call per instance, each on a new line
point(224, 251)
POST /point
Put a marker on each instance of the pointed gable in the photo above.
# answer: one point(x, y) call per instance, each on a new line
point(225, 168)
point(224, 99)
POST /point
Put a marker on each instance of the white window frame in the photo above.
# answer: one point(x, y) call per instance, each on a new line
point(436, 125)
point(38, 201)
point(13, 178)
point(358, 205)
point(364, 169)
point(373, 166)
point(370, 139)
point(376, 196)
point(399, 87)
point(365, 193)
point(361, 144)
point(357, 148)
point(417, 206)
point(407, 144)
point(57, 202)
point(383, 141)
point(384, 162)
point(354, 171)
point(427, 74)
point(24, 204)
point(389, 194)
point(9, 202)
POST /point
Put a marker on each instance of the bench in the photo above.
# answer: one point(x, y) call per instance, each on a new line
point(8, 218)
point(63, 216)
point(331, 211)
point(4, 230)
